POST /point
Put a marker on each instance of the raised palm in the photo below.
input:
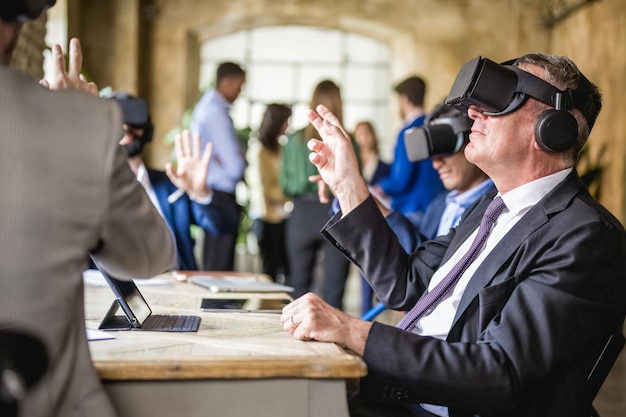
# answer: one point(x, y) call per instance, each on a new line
point(335, 158)
point(192, 166)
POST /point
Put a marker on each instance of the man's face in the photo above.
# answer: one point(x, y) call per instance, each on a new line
point(130, 134)
point(230, 87)
point(403, 105)
point(364, 137)
point(457, 173)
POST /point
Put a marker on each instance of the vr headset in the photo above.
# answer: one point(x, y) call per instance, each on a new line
point(444, 132)
point(135, 111)
point(499, 89)
point(23, 10)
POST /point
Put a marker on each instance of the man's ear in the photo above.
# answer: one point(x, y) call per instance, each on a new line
point(537, 147)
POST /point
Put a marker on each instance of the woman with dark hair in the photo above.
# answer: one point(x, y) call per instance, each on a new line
point(267, 197)
point(372, 167)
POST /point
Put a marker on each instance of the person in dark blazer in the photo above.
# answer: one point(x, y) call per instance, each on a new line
point(523, 325)
point(448, 129)
point(180, 195)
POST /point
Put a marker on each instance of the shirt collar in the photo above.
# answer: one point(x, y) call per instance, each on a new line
point(412, 116)
point(465, 199)
point(217, 97)
point(142, 172)
point(525, 196)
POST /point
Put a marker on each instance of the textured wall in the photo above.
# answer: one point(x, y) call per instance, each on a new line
point(28, 54)
point(431, 38)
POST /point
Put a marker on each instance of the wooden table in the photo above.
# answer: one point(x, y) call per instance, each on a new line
point(237, 364)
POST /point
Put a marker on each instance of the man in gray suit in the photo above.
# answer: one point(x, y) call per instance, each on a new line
point(67, 193)
point(515, 329)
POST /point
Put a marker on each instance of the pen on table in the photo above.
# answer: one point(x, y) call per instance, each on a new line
point(172, 198)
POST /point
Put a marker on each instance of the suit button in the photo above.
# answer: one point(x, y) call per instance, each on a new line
point(400, 395)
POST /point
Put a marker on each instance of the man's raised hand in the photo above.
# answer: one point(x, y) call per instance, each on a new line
point(336, 160)
point(192, 165)
point(68, 78)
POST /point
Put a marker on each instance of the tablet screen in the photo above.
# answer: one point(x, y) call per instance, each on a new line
point(132, 298)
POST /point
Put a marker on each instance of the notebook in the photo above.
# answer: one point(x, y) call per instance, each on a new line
point(138, 314)
point(233, 285)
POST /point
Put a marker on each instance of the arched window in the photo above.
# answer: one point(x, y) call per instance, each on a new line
point(284, 63)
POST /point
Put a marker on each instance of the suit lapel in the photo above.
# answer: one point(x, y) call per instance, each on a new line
point(556, 201)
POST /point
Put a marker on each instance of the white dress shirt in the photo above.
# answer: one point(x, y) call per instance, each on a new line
point(144, 180)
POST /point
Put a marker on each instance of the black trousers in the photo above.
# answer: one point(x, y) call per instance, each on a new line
point(271, 238)
point(219, 252)
point(305, 245)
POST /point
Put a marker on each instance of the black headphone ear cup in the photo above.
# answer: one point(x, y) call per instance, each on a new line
point(556, 130)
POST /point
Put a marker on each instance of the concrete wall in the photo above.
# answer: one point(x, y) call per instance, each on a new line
point(28, 56)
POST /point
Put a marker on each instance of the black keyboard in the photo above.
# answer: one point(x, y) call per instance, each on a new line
point(171, 323)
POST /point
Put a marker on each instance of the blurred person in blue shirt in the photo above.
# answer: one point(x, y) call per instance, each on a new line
point(410, 185)
point(211, 119)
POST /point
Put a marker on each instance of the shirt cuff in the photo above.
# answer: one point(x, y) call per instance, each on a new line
point(205, 200)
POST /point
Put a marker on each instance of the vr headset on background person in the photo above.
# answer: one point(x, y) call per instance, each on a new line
point(23, 10)
point(443, 133)
point(136, 115)
point(499, 89)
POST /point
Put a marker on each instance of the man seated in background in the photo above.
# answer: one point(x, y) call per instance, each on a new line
point(180, 194)
point(442, 139)
point(67, 193)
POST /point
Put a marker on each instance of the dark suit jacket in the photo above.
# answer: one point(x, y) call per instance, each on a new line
point(216, 218)
point(412, 231)
point(414, 228)
point(382, 170)
point(529, 324)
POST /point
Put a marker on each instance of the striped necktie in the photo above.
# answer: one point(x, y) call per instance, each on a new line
point(430, 300)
